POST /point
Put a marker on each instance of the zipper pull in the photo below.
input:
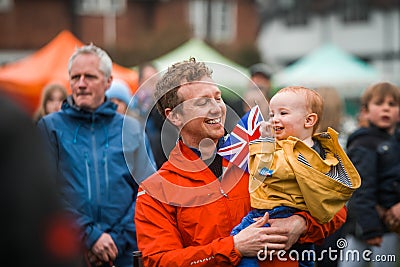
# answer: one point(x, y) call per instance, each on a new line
point(223, 192)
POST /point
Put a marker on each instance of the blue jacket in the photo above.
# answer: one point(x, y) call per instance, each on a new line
point(93, 153)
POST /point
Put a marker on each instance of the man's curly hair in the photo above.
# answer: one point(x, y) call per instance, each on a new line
point(178, 74)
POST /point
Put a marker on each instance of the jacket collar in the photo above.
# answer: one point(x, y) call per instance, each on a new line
point(185, 161)
point(185, 180)
point(106, 109)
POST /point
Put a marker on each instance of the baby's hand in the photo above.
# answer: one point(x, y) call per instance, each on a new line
point(266, 129)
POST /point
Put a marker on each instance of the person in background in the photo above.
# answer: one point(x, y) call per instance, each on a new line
point(143, 101)
point(375, 153)
point(333, 109)
point(292, 168)
point(260, 75)
point(52, 97)
point(331, 117)
point(98, 156)
point(157, 129)
point(258, 91)
point(362, 119)
point(120, 94)
point(36, 231)
point(187, 209)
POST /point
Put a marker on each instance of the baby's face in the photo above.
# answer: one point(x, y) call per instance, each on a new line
point(288, 114)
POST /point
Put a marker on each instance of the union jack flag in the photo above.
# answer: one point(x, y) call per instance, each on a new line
point(236, 146)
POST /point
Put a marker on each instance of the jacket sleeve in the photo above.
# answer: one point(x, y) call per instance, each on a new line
point(316, 232)
point(86, 223)
point(161, 242)
point(137, 152)
point(261, 153)
point(50, 145)
point(124, 233)
point(141, 164)
point(362, 204)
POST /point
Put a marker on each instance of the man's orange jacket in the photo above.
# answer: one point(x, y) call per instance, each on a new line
point(184, 214)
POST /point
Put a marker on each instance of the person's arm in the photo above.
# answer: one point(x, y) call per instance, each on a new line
point(290, 228)
point(392, 217)
point(364, 200)
point(261, 153)
point(139, 159)
point(160, 239)
point(49, 140)
point(103, 250)
point(316, 232)
point(141, 164)
point(122, 236)
point(123, 233)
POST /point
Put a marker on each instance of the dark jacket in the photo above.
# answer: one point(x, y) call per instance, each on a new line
point(376, 156)
point(89, 150)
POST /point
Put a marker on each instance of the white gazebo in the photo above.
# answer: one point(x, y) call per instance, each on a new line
point(329, 66)
point(226, 73)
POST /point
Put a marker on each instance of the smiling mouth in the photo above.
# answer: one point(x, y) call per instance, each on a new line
point(213, 121)
point(278, 129)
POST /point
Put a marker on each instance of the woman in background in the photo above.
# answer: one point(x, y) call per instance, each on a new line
point(52, 97)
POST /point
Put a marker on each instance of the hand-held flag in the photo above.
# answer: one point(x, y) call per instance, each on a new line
point(236, 147)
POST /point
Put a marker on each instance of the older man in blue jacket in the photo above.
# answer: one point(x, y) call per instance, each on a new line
point(97, 154)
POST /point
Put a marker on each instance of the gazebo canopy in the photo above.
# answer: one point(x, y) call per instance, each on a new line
point(225, 72)
point(329, 66)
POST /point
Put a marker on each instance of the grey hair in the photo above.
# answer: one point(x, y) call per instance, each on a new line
point(105, 60)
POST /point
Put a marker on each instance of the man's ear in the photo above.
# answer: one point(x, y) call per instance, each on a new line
point(109, 81)
point(173, 117)
point(311, 120)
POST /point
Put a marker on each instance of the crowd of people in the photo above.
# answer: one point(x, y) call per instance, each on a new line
point(142, 171)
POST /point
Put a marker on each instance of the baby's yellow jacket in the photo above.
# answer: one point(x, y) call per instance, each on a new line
point(300, 177)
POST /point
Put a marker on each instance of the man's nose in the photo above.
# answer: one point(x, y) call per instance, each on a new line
point(82, 81)
point(215, 106)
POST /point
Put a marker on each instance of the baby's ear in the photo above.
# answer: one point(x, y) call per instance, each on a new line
point(311, 120)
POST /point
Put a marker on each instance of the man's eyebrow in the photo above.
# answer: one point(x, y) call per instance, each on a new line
point(210, 95)
point(84, 74)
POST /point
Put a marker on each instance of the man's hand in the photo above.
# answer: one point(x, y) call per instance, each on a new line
point(376, 241)
point(293, 227)
point(105, 249)
point(392, 218)
point(256, 237)
point(93, 259)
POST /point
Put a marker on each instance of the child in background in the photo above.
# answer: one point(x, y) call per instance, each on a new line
point(332, 117)
point(375, 153)
point(120, 94)
point(300, 170)
point(52, 97)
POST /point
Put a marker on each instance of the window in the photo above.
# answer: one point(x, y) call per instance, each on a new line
point(6, 5)
point(355, 10)
point(295, 12)
point(213, 20)
point(100, 7)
